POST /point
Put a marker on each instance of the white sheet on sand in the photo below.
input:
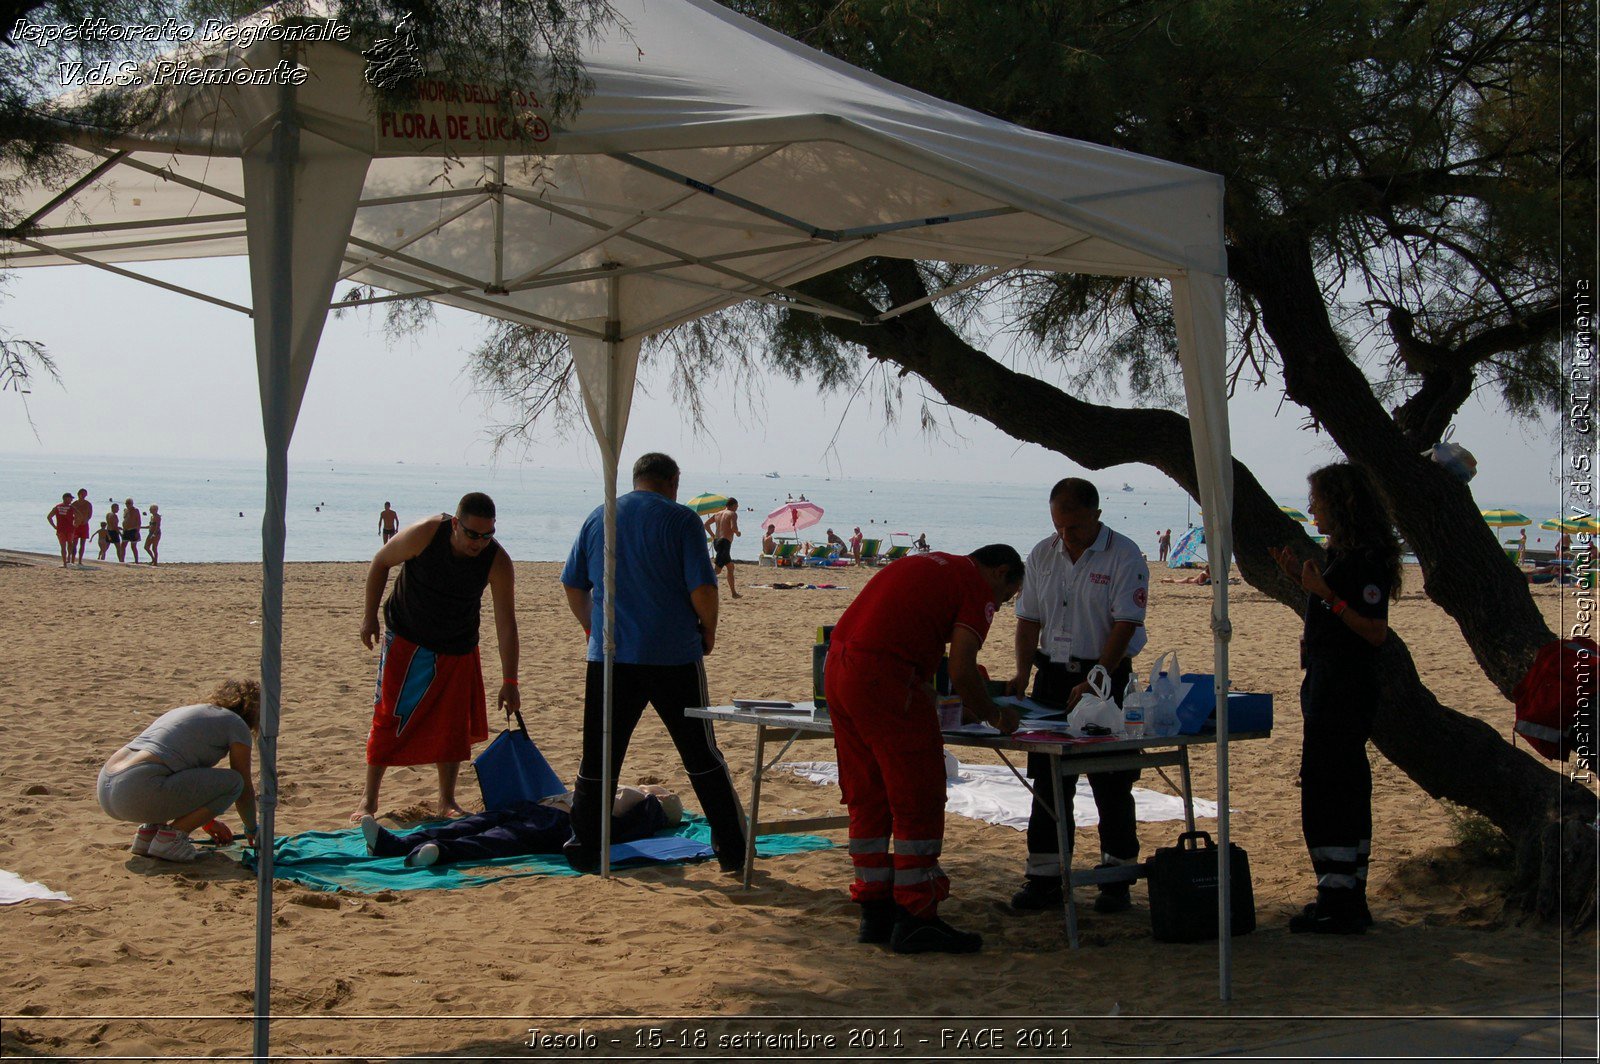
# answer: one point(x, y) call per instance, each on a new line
point(13, 888)
point(992, 794)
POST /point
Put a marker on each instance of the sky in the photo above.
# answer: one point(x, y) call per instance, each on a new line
point(146, 372)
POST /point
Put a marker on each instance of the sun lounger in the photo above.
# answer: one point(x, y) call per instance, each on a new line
point(896, 553)
point(870, 549)
point(786, 554)
point(823, 555)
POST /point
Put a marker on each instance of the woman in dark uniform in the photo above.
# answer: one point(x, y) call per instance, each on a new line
point(1346, 621)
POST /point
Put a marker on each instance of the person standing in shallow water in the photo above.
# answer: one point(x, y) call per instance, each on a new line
point(153, 533)
point(82, 514)
point(1346, 622)
point(132, 521)
point(388, 523)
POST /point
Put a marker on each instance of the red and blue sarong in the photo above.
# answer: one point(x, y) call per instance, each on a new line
point(428, 707)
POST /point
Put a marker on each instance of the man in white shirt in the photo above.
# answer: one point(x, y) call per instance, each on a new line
point(1082, 604)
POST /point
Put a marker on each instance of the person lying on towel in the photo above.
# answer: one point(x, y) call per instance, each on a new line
point(522, 829)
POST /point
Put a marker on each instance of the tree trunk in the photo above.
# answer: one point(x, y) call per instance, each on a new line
point(1463, 569)
point(1450, 755)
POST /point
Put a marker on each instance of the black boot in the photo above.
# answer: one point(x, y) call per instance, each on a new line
point(915, 935)
point(1335, 912)
point(877, 921)
point(582, 858)
point(1037, 894)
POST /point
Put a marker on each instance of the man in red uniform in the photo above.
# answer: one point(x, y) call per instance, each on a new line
point(882, 659)
point(60, 518)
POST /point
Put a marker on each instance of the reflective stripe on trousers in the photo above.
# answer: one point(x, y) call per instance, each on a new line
point(891, 770)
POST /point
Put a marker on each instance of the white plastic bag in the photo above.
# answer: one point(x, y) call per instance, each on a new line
point(1454, 457)
point(1096, 709)
point(1166, 691)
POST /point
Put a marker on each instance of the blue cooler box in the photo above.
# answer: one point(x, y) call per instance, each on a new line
point(1247, 711)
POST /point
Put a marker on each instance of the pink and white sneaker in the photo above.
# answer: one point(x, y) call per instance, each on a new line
point(143, 838)
point(170, 845)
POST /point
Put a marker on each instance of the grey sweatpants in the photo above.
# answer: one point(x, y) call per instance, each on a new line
point(151, 793)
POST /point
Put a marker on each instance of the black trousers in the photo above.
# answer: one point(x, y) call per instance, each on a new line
point(669, 688)
point(523, 828)
point(1113, 791)
point(1336, 778)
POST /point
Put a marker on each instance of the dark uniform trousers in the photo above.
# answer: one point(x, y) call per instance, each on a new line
point(670, 689)
point(1336, 778)
point(1113, 791)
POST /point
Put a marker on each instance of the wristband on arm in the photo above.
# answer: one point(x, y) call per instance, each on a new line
point(1339, 606)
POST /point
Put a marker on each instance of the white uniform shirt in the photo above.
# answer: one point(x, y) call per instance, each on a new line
point(1076, 603)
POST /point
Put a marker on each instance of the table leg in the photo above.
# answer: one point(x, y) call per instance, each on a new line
point(1064, 847)
point(755, 806)
point(1188, 789)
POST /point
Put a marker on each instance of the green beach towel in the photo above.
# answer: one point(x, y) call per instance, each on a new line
point(337, 860)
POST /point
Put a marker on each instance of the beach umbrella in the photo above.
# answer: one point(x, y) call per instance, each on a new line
point(1506, 518)
point(1570, 525)
point(1295, 514)
point(707, 502)
point(791, 517)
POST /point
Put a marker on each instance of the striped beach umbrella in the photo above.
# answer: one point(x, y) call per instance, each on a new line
point(709, 502)
point(1506, 518)
point(791, 517)
point(1294, 514)
point(1570, 525)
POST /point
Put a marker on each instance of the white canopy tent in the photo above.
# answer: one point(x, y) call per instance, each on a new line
point(715, 161)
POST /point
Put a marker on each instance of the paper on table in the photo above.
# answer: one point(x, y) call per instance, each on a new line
point(1029, 709)
point(975, 728)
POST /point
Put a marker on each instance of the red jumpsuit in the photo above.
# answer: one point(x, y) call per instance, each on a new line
point(881, 662)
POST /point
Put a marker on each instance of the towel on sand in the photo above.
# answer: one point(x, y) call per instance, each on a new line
point(337, 860)
point(992, 794)
point(13, 888)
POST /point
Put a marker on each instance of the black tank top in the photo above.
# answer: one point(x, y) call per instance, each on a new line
point(437, 596)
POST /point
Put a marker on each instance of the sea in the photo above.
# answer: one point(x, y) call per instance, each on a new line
point(211, 508)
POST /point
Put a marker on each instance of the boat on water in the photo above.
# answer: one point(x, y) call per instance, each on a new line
point(770, 476)
point(1127, 487)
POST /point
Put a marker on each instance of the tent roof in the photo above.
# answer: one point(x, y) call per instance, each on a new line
point(716, 161)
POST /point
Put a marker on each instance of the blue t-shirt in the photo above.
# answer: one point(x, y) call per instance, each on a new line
point(661, 557)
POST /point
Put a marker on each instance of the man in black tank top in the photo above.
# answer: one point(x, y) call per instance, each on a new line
point(429, 706)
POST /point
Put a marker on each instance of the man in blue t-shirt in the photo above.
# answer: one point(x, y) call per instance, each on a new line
point(665, 619)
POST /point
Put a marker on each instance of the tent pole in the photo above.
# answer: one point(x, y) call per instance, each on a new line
point(610, 454)
point(1221, 632)
point(285, 154)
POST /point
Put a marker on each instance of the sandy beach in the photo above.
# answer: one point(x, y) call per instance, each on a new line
point(153, 959)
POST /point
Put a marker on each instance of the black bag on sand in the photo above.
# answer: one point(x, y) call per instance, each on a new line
point(1183, 890)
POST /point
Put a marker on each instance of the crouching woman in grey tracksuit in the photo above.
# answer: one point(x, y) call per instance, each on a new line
point(166, 779)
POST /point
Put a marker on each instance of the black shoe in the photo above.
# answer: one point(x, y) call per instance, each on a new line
point(913, 935)
point(582, 858)
point(1320, 919)
point(1113, 898)
point(731, 861)
point(877, 921)
point(1037, 894)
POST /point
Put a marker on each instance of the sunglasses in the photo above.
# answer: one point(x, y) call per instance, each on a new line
point(470, 534)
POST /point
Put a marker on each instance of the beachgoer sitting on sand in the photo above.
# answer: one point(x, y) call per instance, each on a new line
point(1202, 578)
point(524, 828)
point(165, 781)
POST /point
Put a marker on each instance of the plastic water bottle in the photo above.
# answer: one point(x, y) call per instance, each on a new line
point(1133, 709)
point(1167, 712)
